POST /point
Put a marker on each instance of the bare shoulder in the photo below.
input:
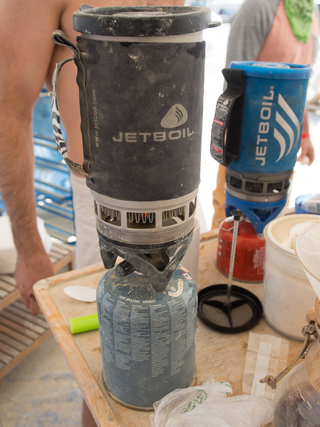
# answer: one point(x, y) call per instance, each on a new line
point(29, 17)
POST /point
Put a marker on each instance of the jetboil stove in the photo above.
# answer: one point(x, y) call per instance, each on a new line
point(256, 135)
point(140, 77)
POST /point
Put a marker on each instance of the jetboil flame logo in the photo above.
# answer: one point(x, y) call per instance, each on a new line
point(293, 136)
point(175, 117)
point(287, 131)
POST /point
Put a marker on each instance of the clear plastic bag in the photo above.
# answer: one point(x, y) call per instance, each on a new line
point(207, 406)
point(296, 402)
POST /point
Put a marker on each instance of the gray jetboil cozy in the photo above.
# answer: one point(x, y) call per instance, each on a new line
point(140, 77)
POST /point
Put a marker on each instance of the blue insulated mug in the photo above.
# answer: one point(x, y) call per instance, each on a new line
point(272, 118)
point(272, 99)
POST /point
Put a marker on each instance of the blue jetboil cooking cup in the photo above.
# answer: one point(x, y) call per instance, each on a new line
point(272, 118)
point(262, 109)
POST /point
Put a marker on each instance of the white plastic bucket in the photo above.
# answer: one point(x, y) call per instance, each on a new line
point(288, 294)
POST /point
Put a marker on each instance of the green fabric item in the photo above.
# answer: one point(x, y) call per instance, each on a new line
point(300, 14)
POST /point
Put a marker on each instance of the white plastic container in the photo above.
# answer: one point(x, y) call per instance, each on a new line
point(288, 294)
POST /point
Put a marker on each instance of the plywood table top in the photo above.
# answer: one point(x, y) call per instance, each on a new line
point(222, 356)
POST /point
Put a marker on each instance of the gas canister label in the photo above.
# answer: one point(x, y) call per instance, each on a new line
point(158, 334)
point(146, 337)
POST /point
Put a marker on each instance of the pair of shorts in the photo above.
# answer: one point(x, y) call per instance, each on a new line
point(87, 250)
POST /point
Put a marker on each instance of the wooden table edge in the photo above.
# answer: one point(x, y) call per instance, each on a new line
point(102, 412)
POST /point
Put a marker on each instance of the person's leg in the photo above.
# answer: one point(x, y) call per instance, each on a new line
point(87, 250)
point(219, 197)
point(87, 418)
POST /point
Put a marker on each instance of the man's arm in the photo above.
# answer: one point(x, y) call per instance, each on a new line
point(307, 150)
point(25, 51)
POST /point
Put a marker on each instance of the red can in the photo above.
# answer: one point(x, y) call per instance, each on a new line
point(249, 256)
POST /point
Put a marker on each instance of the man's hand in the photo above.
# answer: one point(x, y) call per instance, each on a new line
point(307, 151)
point(30, 269)
point(26, 53)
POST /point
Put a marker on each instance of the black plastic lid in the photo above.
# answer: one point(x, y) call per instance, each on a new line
point(142, 21)
point(241, 313)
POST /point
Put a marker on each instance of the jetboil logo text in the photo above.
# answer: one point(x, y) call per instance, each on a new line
point(287, 131)
point(175, 117)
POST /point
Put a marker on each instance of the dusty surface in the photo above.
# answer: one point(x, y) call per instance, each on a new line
point(41, 392)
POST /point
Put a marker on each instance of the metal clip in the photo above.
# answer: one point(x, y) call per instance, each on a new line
point(244, 218)
point(307, 331)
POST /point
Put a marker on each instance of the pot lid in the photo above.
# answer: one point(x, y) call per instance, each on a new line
point(142, 21)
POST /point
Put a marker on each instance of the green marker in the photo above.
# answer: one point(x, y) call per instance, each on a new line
point(84, 323)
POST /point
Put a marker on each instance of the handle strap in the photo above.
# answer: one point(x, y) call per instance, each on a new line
point(61, 39)
point(226, 127)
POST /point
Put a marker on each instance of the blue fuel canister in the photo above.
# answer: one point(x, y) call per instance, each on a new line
point(307, 204)
point(147, 338)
